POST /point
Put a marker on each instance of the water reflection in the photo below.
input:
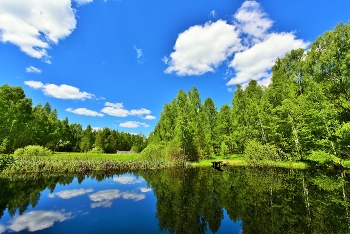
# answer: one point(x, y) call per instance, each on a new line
point(178, 201)
point(36, 220)
point(68, 194)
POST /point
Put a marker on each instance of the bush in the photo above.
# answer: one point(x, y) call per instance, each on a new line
point(174, 152)
point(32, 151)
point(321, 158)
point(153, 152)
point(255, 152)
point(96, 150)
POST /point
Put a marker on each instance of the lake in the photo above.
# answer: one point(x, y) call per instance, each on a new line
point(197, 200)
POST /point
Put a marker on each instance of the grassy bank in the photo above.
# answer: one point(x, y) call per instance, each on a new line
point(88, 162)
point(82, 163)
point(239, 160)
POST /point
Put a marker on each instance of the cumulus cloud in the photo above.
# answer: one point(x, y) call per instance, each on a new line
point(59, 91)
point(201, 49)
point(68, 194)
point(37, 220)
point(133, 196)
point(252, 20)
point(118, 110)
point(32, 69)
point(149, 117)
point(84, 111)
point(126, 180)
point(247, 44)
point(133, 124)
point(34, 25)
point(255, 63)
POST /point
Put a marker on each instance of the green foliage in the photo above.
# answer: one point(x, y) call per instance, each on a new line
point(6, 161)
point(321, 158)
point(32, 151)
point(255, 152)
point(154, 152)
point(343, 139)
point(96, 150)
point(174, 152)
point(224, 150)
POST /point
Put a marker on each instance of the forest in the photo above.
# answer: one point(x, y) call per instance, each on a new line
point(22, 125)
point(303, 114)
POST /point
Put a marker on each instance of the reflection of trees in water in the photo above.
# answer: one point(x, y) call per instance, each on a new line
point(265, 200)
point(193, 200)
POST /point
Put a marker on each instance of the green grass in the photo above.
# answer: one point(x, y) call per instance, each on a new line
point(96, 157)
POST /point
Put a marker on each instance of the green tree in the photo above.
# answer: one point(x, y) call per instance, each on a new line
point(16, 112)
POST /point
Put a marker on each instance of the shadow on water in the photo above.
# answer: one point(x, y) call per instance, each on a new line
point(196, 200)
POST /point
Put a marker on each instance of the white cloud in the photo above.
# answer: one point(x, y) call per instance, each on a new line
point(256, 62)
point(34, 25)
point(37, 220)
point(149, 117)
point(252, 20)
point(84, 111)
point(201, 49)
point(247, 44)
point(133, 124)
point(34, 84)
point(213, 14)
point(138, 52)
point(117, 109)
point(141, 111)
point(165, 59)
point(115, 105)
point(32, 69)
point(126, 180)
point(59, 91)
point(145, 190)
point(82, 2)
point(118, 112)
point(68, 194)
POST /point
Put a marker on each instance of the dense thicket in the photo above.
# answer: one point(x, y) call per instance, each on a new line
point(304, 110)
point(22, 125)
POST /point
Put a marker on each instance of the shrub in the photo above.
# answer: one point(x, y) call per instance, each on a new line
point(255, 152)
point(153, 152)
point(321, 158)
point(32, 151)
point(96, 150)
point(174, 152)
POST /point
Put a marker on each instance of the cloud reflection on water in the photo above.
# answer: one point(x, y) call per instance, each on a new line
point(68, 194)
point(127, 180)
point(37, 220)
point(145, 189)
point(2, 228)
point(104, 198)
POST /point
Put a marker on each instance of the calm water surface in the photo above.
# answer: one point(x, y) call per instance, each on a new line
point(201, 200)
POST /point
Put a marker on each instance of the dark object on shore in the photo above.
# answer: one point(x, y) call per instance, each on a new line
point(217, 165)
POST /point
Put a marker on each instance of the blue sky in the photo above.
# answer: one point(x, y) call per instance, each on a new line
point(115, 64)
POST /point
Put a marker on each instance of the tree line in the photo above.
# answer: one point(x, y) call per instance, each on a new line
point(22, 125)
point(303, 114)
